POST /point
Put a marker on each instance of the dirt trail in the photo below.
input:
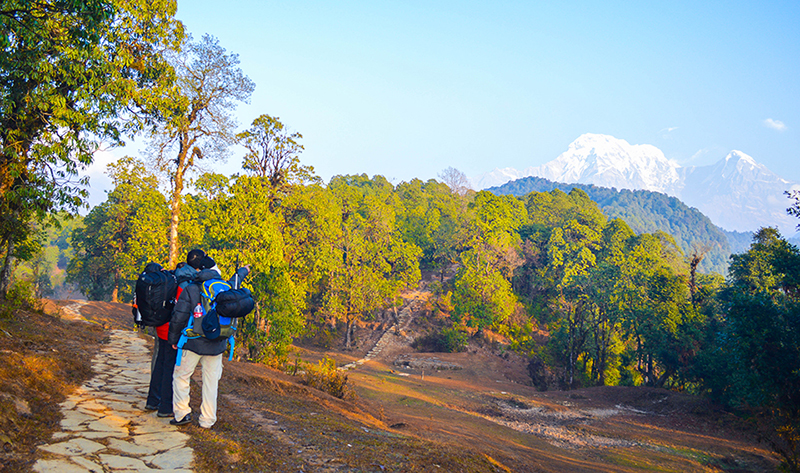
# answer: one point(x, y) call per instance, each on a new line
point(310, 455)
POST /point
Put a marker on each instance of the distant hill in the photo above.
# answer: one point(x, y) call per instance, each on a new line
point(646, 212)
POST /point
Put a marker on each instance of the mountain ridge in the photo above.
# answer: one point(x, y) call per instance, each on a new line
point(737, 193)
point(646, 212)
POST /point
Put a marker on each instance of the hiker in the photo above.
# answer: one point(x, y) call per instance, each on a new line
point(197, 350)
point(159, 396)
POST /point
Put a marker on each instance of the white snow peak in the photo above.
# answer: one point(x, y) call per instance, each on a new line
point(736, 192)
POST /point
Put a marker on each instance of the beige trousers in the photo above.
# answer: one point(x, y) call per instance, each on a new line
point(212, 372)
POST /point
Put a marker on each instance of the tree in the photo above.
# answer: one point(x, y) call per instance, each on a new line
point(435, 219)
point(120, 235)
point(483, 290)
point(272, 154)
point(199, 124)
point(72, 74)
point(456, 180)
point(371, 262)
point(751, 362)
point(794, 209)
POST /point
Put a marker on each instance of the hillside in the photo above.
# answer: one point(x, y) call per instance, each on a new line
point(413, 411)
point(646, 212)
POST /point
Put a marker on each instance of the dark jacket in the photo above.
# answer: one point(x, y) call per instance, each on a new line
point(189, 298)
point(185, 275)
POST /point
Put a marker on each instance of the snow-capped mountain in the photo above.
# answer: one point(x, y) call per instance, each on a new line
point(736, 193)
point(497, 177)
point(609, 162)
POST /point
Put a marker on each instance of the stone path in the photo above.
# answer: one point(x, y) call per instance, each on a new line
point(73, 311)
point(104, 428)
point(392, 334)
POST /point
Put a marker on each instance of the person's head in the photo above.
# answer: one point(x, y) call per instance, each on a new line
point(207, 263)
point(195, 258)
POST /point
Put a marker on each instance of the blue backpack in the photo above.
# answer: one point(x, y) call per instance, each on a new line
point(217, 313)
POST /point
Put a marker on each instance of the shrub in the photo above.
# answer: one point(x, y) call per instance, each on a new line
point(21, 295)
point(325, 377)
point(447, 340)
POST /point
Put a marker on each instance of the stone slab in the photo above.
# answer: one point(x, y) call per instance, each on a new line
point(130, 448)
point(151, 424)
point(88, 464)
point(78, 446)
point(72, 420)
point(118, 462)
point(112, 423)
point(162, 441)
point(59, 466)
point(174, 459)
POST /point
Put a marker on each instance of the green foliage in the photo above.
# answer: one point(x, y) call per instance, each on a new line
point(371, 262)
point(272, 154)
point(645, 212)
point(483, 295)
point(794, 209)
point(21, 296)
point(616, 304)
point(73, 75)
point(435, 219)
point(752, 349)
point(120, 235)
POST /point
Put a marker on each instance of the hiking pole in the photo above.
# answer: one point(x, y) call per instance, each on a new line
point(236, 273)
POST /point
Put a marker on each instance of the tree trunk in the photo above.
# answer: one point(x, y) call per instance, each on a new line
point(571, 353)
point(396, 320)
point(5, 272)
point(347, 333)
point(115, 291)
point(695, 262)
point(260, 321)
point(175, 210)
point(175, 203)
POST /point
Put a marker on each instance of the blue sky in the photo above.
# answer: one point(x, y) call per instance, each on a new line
point(406, 89)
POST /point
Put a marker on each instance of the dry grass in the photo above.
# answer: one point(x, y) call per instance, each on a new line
point(42, 358)
point(465, 420)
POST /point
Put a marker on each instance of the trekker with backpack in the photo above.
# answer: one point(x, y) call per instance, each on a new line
point(197, 349)
point(159, 396)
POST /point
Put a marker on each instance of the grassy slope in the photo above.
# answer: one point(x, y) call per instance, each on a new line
point(454, 420)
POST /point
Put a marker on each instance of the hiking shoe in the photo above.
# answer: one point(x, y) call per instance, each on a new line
point(183, 421)
point(165, 414)
point(150, 407)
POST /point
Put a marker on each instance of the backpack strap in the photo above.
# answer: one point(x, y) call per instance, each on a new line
point(184, 338)
point(207, 301)
point(184, 333)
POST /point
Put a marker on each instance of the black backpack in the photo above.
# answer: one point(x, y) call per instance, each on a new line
point(154, 298)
